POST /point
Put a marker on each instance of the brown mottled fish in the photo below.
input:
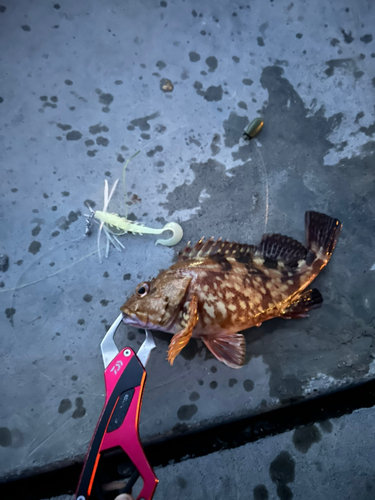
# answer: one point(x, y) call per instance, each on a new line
point(217, 289)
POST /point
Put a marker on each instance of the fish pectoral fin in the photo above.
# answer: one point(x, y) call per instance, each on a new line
point(180, 339)
point(227, 348)
point(302, 304)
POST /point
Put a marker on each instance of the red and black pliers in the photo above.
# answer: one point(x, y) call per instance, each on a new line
point(117, 429)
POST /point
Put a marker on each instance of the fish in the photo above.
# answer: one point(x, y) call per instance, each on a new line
point(218, 288)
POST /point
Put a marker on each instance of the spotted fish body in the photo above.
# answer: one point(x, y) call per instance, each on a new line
point(217, 288)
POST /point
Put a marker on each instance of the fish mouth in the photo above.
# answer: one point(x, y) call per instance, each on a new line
point(133, 320)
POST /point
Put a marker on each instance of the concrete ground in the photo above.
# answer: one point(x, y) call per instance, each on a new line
point(82, 88)
point(332, 460)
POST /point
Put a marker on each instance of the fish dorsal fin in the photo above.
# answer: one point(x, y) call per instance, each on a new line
point(217, 250)
point(276, 248)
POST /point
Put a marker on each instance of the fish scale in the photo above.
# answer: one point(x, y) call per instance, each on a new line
point(218, 288)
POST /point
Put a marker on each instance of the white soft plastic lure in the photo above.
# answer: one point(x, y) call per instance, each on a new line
point(114, 225)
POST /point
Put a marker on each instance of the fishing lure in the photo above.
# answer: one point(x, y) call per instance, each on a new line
point(114, 225)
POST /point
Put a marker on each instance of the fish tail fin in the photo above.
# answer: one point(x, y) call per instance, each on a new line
point(302, 304)
point(227, 348)
point(322, 233)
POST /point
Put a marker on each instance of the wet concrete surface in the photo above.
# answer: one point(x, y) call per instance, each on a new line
point(80, 93)
point(331, 459)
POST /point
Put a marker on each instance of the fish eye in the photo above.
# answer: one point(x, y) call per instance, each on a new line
point(143, 289)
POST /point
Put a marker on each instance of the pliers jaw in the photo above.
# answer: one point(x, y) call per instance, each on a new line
point(110, 351)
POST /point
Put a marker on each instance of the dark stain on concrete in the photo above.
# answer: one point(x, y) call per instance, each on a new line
point(5, 437)
point(104, 302)
point(186, 412)
point(359, 116)
point(194, 396)
point(142, 123)
point(232, 382)
point(131, 336)
point(282, 472)
point(247, 81)
point(211, 63)
point(4, 263)
point(236, 59)
point(161, 65)
point(346, 63)
point(35, 231)
point(96, 129)
point(81, 321)
point(2, 9)
point(366, 38)
point(92, 152)
point(127, 277)
point(213, 385)
point(233, 129)
point(334, 42)
point(299, 35)
point(260, 41)
point(74, 135)
point(248, 385)
point(64, 222)
point(284, 492)
point(181, 482)
point(242, 104)
point(192, 140)
point(64, 127)
point(120, 158)
point(369, 131)
point(65, 405)
point(190, 351)
point(347, 36)
point(34, 247)
point(215, 149)
point(152, 152)
point(194, 57)
point(26, 27)
point(87, 297)
point(260, 492)
point(105, 99)
point(212, 94)
point(89, 142)
point(9, 313)
point(102, 141)
point(68, 358)
point(146, 137)
point(326, 426)
point(80, 410)
point(305, 437)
